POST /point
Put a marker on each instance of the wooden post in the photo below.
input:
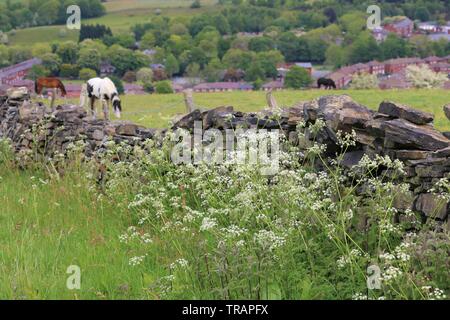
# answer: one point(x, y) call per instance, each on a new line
point(189, 100)
point(271, 102)
point(52, 103)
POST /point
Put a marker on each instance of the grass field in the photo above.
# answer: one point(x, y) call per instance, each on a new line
point(120, 16)
point(46, 226)
point(157, 110)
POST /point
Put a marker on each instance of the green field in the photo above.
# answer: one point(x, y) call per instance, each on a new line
point(157, 110)
point(121, 15)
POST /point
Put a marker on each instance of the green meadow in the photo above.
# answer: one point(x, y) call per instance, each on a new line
point(120, 17)
point(157, 110)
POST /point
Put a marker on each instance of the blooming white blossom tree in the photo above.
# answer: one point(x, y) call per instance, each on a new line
point(423, 77)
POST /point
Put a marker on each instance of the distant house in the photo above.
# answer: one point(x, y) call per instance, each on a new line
point(376, 67)
point(432, 60)
point(273, 85)
point(18, 71)
point(403, 27)
point(149, 52)
point(106, 68)
point(283, 68)
point(429, 26)
point(380, 34)
point(441, 67)
point(223, 87)
point(341, 78)
point(29, 84)
point(397, 65)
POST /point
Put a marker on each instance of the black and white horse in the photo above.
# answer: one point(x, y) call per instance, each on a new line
point(103, 90)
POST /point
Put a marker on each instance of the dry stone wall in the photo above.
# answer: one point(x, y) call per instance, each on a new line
point(394, 130)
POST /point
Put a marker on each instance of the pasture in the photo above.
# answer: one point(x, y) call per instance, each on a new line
point(157, 110)
point(155, 230)
point(120, 17)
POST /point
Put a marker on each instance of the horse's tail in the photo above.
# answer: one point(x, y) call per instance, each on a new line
point(63, 89)
point(36, 85)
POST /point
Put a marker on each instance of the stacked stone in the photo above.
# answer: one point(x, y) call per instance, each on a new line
point(57, 129)
point(394, 130)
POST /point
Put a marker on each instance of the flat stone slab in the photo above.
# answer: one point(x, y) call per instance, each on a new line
point(420, 137)
point(432, 206)
point(404, 112)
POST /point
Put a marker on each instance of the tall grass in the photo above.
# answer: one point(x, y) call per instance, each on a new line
point(140, 226)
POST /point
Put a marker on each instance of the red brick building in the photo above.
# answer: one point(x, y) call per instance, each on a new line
point(397, 65)
point(18, 71)
point(403, 28)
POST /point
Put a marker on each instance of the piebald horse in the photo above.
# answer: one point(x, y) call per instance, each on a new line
point(103, 90)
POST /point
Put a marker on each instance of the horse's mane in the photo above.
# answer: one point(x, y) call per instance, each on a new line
point(63, 89)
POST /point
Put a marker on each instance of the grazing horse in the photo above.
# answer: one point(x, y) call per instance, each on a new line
point(103, 90)
point(48, 82)
point(328, 83)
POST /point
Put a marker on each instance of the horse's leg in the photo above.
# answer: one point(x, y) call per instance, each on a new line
point(105, 109)
point(93, 114)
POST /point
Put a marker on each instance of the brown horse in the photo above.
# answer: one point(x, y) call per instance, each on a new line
point(49, 82)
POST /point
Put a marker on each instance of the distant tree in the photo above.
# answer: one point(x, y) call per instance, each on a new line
point(254, 72)
point(68, 52)
point(93, 32)
point(149, 87)
point(268, 61)
point(336, 56)
point(422, 13)
point(330, 14)
point(297, 78)
point(159, 75)
point(129, 76)
point(260, 44)
point(238, 59)
point(212, 71)
point(144, 75)
point(364, 81)
point(148, 40)
point(118, 83)
point(172, 65)
point(393, 47)
point(364, 49)
point(423, 77)
point(37, 71)
point(39, 49)
point(69, 70)
point(196, 4)
point(257, 84)
point(51, 62)
point(86, 74)
point(163, 87)
point(89, 58)
point(193, 70)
